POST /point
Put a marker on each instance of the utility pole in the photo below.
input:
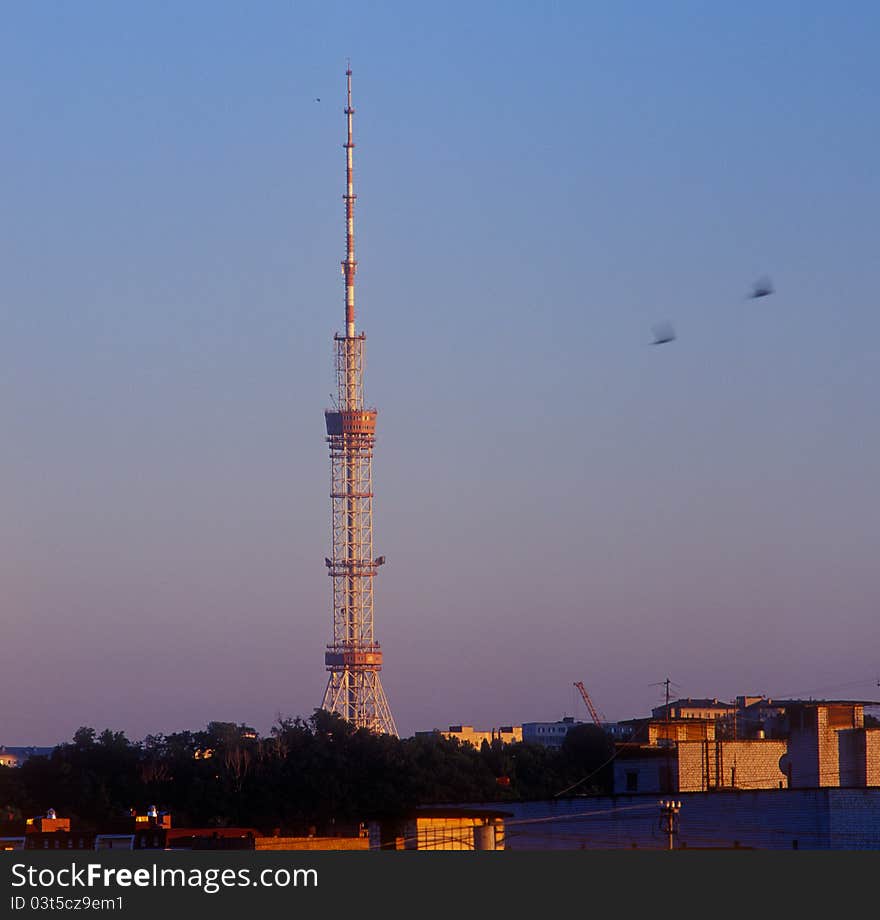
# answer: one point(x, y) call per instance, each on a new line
point(669, 810)
point(668, 742)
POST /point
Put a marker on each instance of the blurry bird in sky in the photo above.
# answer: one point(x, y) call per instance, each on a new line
point(761, 288)
point(663, 333)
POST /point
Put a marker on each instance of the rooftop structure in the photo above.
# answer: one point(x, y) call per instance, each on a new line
point(693, 709)
point(440, 828)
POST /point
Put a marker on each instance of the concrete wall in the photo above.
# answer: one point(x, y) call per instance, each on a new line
point(852, 757)
point(650, 773)
point(780, 819)
point(859, 757)
point(815, 746)
point(803, 753)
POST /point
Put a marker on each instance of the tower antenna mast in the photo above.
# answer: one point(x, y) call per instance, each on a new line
point(349, 266)
point(353, 657)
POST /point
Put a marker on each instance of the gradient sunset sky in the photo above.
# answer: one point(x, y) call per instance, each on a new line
point(558, 500)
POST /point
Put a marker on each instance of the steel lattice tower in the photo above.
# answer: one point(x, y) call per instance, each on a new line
point(353, 658)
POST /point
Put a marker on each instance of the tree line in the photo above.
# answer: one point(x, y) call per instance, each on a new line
point(317, 775)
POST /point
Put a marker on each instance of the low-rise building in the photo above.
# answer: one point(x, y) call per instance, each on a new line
point(440, 829)
point(549, 734)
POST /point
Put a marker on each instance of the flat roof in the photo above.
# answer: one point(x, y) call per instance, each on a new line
point(439, 812)
point(705, 703)
point(775, 702)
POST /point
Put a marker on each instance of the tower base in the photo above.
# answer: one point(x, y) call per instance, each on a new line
point(358, 697)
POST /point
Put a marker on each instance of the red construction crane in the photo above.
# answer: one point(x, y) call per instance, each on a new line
point(589, 702)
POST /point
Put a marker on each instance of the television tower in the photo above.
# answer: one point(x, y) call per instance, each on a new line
point(353, 658)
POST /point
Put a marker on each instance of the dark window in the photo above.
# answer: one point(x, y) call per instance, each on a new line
point(632, 780)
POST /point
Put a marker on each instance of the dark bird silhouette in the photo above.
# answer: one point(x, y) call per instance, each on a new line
point(761, 288)
point(663, 333)
point(317, 99)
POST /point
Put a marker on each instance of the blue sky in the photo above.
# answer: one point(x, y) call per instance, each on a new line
point(538, 184)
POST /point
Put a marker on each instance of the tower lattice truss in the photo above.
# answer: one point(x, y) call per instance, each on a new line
point(353, 657)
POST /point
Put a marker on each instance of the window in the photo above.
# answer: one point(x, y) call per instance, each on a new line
point(632, 780)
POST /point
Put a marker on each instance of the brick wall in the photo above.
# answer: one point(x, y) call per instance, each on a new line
point(872, 755)
point(311, 843)
point(731, 764)
point(829, 750)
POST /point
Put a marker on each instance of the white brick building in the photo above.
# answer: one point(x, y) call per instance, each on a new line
point(825, 745)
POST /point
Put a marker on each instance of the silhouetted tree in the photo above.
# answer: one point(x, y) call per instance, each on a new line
point(319, 772)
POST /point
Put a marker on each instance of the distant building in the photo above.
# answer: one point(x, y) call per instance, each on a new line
point(758, 717)
point(16, 756)
point(467, 734)
point(549, 734)
point(552, 734)
point(694, 709)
